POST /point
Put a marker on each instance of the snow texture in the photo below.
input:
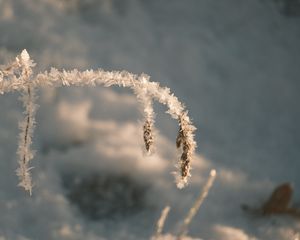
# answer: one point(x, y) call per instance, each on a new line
point(235, 65)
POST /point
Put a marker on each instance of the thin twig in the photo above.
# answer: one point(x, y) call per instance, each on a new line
point(161, 221)
point(184, 228)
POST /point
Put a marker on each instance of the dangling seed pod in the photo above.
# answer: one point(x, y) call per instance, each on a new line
point(148, 136)
point(185, 141)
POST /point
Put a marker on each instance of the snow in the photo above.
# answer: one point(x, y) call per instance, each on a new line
point(234, 64)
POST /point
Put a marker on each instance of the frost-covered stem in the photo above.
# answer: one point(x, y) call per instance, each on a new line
point(161, 222)
point(146, 91)
point(26, 126)
point(197, 204)
point(146, 101)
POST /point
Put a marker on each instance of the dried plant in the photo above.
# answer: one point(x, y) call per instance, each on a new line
point(161, 222)
point(200, 199)
point(17, 76)
point(182, 231)
point(279, 203)
point(185, 140)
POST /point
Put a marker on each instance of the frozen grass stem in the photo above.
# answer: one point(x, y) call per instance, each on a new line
point(17, 76)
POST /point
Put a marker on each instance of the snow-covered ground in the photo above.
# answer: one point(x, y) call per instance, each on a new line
point(236, 66)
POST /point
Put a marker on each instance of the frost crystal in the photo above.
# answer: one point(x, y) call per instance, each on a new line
point(17, 76)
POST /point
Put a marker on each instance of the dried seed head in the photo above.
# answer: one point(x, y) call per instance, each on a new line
point(148, 136)
point(179, 138)
point(185, 141)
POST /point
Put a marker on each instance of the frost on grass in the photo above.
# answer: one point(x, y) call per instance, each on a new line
point(17, 76)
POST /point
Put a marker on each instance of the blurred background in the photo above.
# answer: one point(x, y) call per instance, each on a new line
point(235, 64)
